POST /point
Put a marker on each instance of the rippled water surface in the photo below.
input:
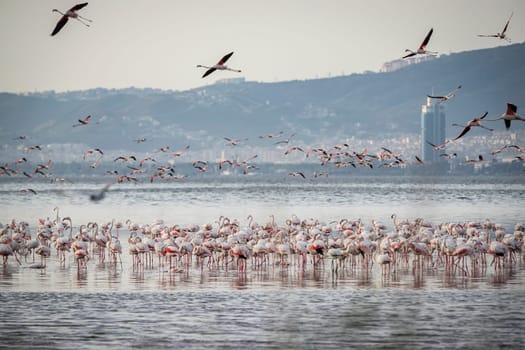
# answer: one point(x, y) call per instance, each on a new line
point(116, 306)
point(197, 201)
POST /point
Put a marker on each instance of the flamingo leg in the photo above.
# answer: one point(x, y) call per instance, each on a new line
point(84, 23)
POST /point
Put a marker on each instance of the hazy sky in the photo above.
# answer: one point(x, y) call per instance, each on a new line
point(147, 43)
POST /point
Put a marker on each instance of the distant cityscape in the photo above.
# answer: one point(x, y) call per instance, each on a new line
point(362, 124)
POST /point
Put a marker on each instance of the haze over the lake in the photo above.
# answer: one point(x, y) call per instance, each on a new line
point(158, 44)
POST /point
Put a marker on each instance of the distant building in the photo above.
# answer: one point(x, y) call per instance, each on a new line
point(238, 80)
point(433, 121)
point(400, 63)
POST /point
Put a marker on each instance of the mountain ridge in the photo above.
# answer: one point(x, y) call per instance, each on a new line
point(365, 105)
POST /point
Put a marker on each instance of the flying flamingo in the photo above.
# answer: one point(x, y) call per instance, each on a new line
point(509, 115)
point(422, 48)
point(470, 124)
point(437, 147)
point(71, 13)
point(297, 173)
point(233, 142)
point(293, 148)
point(449, 155)
point(446, 97)
point(480, 159)
point(501, 35)
point(91, 151)
point(220, 65)
point(84, 121)
point(95, 197)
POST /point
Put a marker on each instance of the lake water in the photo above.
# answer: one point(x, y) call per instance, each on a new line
point(113, 306)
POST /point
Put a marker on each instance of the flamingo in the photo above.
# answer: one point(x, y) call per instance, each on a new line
point(233, 142)
point(384, 260)
point(437, 147)
point(44, 251)
point(422, 48)
point(99, 196)
point(181, 152)
point(32, 148)
point(297, 173)
point(293, 148)
point(220, 66)
point(509, 115)
point(449, 155)
point(71, 13)
point(84, 121)
point(6, 250)
point(480, 159)
point(446, 97)
point(269, 136)
point(91, 151)
point(285, 141)
point(517, 147)
point(501, 35)
point(472, 123)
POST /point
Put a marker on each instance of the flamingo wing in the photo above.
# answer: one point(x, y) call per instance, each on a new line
point(209, 71)
point(507, 24)
point(483, 116)
point(507, 123)
point(225, 58)
point(465, 130)
point(78, 6)
point(427, 39)
point(453, 92)
point(60, 24)
point(431, 144)
point(409, 55)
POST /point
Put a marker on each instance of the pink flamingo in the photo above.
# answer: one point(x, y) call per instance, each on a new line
point(472, 123)
point(219, 66)
point(422, 48)
point(509, 115)
point(71, 13)
point(501, 35)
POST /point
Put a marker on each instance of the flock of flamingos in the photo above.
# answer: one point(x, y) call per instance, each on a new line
point(245, 245)
point(460, 248)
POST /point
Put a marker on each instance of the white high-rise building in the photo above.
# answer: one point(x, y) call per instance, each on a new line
point(433, 121)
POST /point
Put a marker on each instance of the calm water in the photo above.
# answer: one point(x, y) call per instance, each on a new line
point(273, 307)
point(199, 201)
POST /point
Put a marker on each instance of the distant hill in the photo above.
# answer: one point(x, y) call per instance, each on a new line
point(367, 105)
